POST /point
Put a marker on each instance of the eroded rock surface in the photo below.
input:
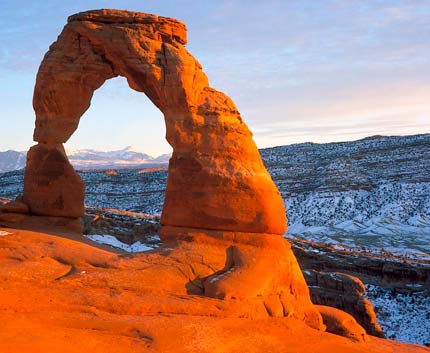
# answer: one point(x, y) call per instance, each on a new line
point(60, 295)
point(51, 185)
point(341, 323)
point(223, 255)
point(218, 192)
point(255, 267)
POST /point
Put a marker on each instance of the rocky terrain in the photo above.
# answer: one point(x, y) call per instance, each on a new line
point(373, 192)
point(58, 294)
point(217, 276)
point(218, 259)
point(397, 287)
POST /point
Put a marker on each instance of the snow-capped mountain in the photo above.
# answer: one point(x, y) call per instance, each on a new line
point(127, 157)
point(91, 159)
point(12, 160)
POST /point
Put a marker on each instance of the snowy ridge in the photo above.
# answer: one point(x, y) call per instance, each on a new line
point(402, 316)
point(374, 191)
point(399, 211)
point(125, 158)
point(12, 160)
point(114, 242)
point(91, 159)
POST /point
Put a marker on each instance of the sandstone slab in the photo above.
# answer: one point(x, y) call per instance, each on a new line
point(61, 295)
point(341, 323)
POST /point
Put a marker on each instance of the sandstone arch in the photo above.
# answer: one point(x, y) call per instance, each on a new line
point(223, 216)
point(216, 177)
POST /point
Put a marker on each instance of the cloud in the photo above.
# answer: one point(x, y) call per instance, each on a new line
point(389, 120)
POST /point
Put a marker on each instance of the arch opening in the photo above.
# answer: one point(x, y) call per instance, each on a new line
point(119, 139)
point(119, 117)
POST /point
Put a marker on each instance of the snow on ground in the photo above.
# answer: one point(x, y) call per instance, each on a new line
point(393, 216)
point(354, 244)
point(112, 241)
point(403, 317)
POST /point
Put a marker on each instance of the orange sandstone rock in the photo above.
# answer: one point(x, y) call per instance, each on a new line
point(15, 206)
point(223, 265)
point(61, 295)
point(216, 177)
point(344, 292)
point(255, 267)
point(342, 323)
point(51, 185)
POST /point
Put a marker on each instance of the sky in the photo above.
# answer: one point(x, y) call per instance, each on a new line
point(298, 70)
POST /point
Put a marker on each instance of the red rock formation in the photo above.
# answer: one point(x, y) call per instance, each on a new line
point(15, 206)
point(216, 177)
point(341, 323)
point(254, 267)
point(51, 185)
point(218, 192)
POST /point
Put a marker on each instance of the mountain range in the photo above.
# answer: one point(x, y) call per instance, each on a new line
point(12, 160)
point(91, 159)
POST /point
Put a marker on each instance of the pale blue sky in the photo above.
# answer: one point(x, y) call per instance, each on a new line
point(298, 70)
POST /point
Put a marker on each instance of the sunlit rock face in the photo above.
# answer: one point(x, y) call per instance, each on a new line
point(216, 177)
point(52, 187)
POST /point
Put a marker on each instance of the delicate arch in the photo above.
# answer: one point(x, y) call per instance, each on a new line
point(216, 177)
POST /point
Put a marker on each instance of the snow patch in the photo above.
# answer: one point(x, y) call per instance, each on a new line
point(403, 317)
point(112, 241)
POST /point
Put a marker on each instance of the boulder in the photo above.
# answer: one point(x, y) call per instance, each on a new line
point(342, 324)
point(15, 206)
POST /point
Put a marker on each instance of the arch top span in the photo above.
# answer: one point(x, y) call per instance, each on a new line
point(216, 177)
point(95, 46)
point(159, 25)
